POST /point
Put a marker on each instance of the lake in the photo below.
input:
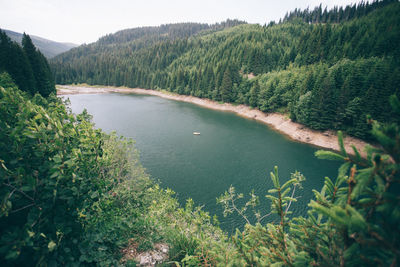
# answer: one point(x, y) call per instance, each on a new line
point(231, 150)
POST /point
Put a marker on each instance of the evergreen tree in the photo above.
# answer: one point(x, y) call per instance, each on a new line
point(14, 61)
point(226, 87)
point(40, 67)
point(254, 92)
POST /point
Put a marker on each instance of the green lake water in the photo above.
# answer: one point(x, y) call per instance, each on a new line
point(231, 150)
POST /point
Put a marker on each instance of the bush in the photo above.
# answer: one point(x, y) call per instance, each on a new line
point(69, 192)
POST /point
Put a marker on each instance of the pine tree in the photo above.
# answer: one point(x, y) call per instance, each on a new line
point(254, 94)
point(226, 87)
point(40, 67)
point(14, 61)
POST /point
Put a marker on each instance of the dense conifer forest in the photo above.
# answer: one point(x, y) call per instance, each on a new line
point(27, 66)
point(326, 69)
point(73, 195)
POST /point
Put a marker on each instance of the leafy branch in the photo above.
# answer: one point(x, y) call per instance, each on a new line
point(279, 205)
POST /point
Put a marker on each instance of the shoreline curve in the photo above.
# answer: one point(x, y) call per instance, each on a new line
point(279, 122)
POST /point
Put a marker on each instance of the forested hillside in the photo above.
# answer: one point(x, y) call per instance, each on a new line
point(327, 75)
point(26, 65)
point(47, 47)
point(336, 14)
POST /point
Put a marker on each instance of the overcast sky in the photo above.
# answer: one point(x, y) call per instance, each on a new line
point(84, 21)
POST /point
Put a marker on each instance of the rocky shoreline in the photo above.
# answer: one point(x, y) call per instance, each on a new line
point(279, 122)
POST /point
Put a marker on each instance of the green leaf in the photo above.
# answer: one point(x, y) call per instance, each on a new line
point(323, 154)
point(51, 246)
point(291, 181)
point(336, 213)
point(356, 153)
point(275, 177)
point(318, 196)
point(357, 221)
point(31, 233)
point(284, 193)
point(55, 174)
point(362, 180)
point(344, 168)
point(329, 185)
point(95, 194)
point(277, 264)
point(38, 116)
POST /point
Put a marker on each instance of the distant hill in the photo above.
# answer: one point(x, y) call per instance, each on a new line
point(48, 48)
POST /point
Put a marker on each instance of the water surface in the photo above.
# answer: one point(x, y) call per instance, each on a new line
point(231, 150)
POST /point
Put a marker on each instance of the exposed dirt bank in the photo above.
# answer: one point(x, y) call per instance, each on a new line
point(295, 131)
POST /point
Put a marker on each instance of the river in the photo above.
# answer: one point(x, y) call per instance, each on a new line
point(230, 150)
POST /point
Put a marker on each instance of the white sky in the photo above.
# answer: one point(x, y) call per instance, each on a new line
point(84, 21)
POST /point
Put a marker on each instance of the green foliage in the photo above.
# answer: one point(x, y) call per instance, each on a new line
point(14, 61)
point(6, 81)
point(265, 245)
point(26, 65)
point(69, 193)
point(329, 72)
point(336, 14)
point(40, 67)
point(323, 97)
point(189, 230)
point(353, 220)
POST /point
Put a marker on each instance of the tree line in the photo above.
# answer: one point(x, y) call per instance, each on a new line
point(26, 65)
point(338, 65)
point(336, 14)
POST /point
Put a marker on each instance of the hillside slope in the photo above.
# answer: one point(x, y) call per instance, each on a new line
point(48, 48)
point(324, 75)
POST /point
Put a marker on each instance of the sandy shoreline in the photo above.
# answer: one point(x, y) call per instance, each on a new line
point(279, 122)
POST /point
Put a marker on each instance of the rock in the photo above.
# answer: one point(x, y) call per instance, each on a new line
point(157, 257)
point(152, 257)
point(145, 259)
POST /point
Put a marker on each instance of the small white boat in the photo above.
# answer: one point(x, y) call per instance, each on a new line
point(196, 133)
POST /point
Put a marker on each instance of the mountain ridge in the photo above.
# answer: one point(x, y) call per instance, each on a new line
point(49, 48)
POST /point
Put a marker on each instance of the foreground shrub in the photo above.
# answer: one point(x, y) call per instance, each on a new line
point(69, 192)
